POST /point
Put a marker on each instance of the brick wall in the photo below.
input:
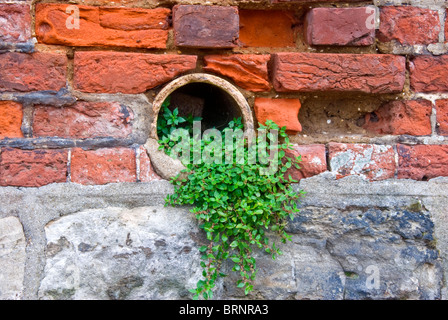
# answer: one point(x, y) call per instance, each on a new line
point(362, 86)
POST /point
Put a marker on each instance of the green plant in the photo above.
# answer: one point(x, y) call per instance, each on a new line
point(170, 121)
point(237, 204)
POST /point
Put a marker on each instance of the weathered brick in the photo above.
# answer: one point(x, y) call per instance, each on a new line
point(409, 25)
point(83, 120)
point(308, 72)
point(102, 166)
point(32, 168)
point(442, 116)
point(422, 162)
point(313, 161)
point(32, 72)
point(267, 28)
point(114, 72)
point(11, 114)
point(15, 23)
point(249, 71)
point(429, 74)
point(339, 27)
point(373, 162)
point(411, 117)
point(284, 112)
point(102, 26)
point(205, 26)
point(147, 173)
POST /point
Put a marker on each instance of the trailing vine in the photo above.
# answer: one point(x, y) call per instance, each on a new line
point(237, 203)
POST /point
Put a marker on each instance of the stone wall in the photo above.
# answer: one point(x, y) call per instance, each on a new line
point(353, 239)
point(361, 87)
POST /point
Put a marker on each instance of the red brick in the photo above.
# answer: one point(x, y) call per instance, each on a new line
point(308, 72)
point(284, 112)
point(313, 161)
point(102, 166)
point(267, 28)
point(30, 72)
point(83, 120)
point(401, 117)
point(32, 168)
point(442, 116)
point(11, 114)
point(147, 173)
point(422, 162)
point(249, 71)
point(205, 26)
point(121, 27)
point(429, 74)
point(409, 25)
point(339, 27)
point(15, 26)
point(373, 162)
point(114, 72)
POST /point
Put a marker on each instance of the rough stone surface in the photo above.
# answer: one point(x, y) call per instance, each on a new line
point(339, 27)
point(11, 114)
point(249, 71)
point(12, 258)
point(308, 72)
point(32, 72)
point(120, 254)
point(114, 72)
point(313, 161)
point(373, 162)
point(366, 253)
point(409, 25)
point(422, 162)
point(205, 26)
point(429, 74)
point(165, 166)
point(102, 26)
point(32, 168)
point(83, 120)
point(276, 26)
point(284, 112)
point(442, 116)
point(363, 252)
point(15, 26)
point(345, 226)
point(109, 165)
point(401, 117)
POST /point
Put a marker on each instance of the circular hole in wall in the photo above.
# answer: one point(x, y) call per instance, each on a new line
point(214, 99)
point(216, 107)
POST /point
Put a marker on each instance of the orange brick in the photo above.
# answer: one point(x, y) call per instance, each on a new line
point(102, 166)
point(123, 27)
point(267, 28)
point(11, 114)
point(284, 112)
